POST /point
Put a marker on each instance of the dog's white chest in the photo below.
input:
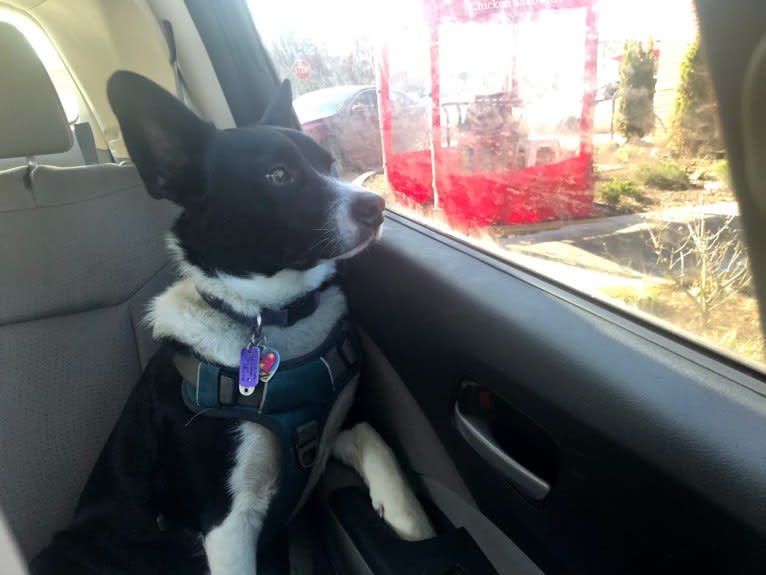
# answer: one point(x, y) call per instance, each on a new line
point(256, 464)
point(230, 547)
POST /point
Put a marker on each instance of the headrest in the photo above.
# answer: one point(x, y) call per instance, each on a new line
point(32, 120)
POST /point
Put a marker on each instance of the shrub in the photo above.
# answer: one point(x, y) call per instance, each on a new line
point(636, 93)
point(694, 126)
point(616, 191)
point(664, 176)
point(721, 172)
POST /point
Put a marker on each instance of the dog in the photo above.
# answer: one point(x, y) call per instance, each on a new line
point(261, 226)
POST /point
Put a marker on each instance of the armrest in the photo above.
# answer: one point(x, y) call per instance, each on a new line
point(453, 552)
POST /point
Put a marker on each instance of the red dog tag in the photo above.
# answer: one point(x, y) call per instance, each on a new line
point(269, 363)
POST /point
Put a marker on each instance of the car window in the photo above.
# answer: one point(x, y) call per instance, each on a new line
point(368, 99)
point(75, 108)
point(401, 99)
point(577, 140)
point(322, 103)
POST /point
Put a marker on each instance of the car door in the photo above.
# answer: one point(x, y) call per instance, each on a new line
point(594, 433)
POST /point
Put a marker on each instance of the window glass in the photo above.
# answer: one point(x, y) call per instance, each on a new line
point(576, 138)
point(368, 99)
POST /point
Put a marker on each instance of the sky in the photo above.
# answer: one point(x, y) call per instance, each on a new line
point(334, 20)
point(478, 50)
point(667, 20)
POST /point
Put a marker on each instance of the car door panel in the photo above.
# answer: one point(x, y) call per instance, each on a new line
point(657, 469)
point(392, 410)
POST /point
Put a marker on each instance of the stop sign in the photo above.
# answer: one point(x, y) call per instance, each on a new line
point(301, 69)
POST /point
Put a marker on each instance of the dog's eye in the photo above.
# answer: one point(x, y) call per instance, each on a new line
point(279, 176)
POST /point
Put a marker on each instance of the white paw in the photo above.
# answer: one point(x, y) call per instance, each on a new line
point(363, 449)
point(398, 507)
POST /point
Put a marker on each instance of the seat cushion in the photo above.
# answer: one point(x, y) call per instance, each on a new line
point(91, 240)
point(81, 256)
point(14, 194)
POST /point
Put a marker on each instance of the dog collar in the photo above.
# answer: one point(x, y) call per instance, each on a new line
point(292, 313)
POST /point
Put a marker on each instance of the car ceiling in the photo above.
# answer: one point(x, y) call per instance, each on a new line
point(95, 38)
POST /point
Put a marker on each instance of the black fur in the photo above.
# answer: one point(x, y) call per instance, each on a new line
point(237, 219)
point(153, 463)
point(256, 200)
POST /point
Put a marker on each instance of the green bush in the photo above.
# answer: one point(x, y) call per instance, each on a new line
point(664, 176)
point(616, 191)
point(694, 126)
point(638, 80)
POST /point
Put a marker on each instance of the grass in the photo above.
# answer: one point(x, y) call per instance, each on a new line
point(734, 325)
point(664, 176)
point(622, 195)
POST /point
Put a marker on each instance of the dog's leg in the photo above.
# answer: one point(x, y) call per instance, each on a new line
point(363, 449)
point(231, 546)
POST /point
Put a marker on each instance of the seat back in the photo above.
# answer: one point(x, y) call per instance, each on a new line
point(81, 252)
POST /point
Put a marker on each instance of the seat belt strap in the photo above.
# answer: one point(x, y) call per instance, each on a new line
point(299, 546)
point(167, 30)
point(83, 133)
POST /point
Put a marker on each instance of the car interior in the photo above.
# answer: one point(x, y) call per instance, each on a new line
point(543, 430)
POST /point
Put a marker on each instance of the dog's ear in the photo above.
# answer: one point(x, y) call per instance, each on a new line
point(280, 112)
point(165, 139)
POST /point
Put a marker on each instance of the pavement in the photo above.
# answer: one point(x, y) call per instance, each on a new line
point(604, 254)
point(613, 252)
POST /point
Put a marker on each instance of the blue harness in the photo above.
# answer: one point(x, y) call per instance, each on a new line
point(294, 404)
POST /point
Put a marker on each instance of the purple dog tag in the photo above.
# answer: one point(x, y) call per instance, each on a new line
point(249, 368)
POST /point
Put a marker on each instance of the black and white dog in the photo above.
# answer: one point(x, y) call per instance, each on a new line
point(261, 226)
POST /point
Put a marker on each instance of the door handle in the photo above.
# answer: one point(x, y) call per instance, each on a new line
point(475, 430)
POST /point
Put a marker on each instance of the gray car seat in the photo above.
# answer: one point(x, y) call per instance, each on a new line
point(81, 252)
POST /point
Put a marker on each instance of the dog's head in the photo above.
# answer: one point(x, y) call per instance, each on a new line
point(255, 200)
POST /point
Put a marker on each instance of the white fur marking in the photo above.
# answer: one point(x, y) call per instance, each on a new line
point(231, 546)
point(181, 314)
point(248, 295)
point(364, 450)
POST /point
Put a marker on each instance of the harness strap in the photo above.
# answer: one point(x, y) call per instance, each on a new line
point(294, 404)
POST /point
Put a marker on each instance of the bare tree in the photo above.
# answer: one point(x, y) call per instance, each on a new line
point(355, 66)
point(704, 256)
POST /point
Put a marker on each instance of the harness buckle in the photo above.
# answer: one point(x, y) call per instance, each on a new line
point(307, 443)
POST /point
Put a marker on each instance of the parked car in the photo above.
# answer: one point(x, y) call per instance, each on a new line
point(345, 120)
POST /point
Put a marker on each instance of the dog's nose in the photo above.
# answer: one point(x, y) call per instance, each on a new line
point(367, 209)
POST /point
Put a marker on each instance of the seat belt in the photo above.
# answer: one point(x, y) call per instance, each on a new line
point(167, 30)
point(299, 545)
point(83, 133)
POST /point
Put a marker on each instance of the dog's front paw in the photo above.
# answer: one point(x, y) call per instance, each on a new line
point(364, 450)
point(398, 507)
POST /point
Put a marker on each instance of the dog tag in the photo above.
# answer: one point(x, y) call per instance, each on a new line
point(249, 368)
point(269, 363)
